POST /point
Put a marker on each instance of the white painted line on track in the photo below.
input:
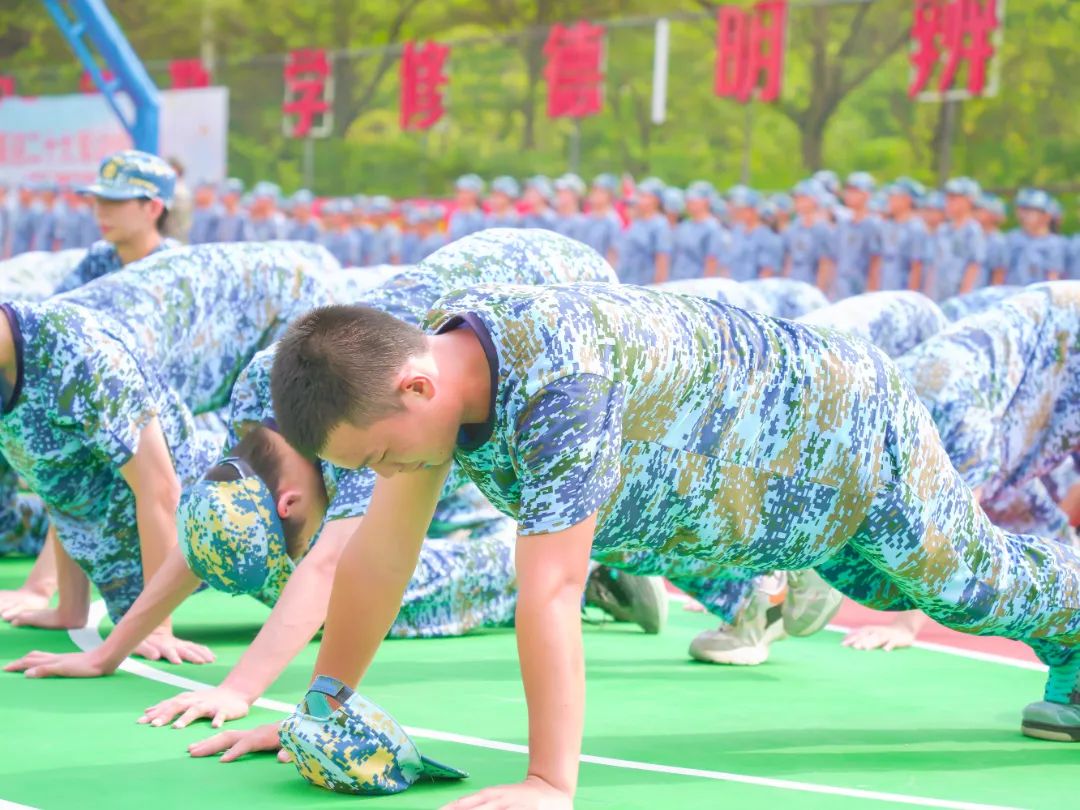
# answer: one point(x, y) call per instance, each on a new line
point(89, 637)
point(6, 805)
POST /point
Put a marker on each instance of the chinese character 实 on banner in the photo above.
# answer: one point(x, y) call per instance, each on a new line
point(309, 94)
point(957, 40)
point(574, 70)
point(750, 48)
point(422, 79)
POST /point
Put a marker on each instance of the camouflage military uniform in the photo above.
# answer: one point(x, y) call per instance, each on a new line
point(1002, 387)
point(23, 520)
point(98, 364)
point(787, 297)
point(723, 290)
point(960, 306)
point(698, 430)
point(100, 260)
point(34, 276)
point(895, 321)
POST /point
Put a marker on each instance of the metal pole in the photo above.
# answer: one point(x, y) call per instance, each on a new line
point(660, 71)
point(948, 128)
point(575, 147)
point(309, 163)
point(748, 142)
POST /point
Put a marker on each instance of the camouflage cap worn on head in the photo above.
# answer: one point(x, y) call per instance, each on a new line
point(232, 537)
point(357, 748)
point(133, 175)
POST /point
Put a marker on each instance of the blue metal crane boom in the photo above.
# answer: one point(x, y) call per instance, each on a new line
point(88, 26)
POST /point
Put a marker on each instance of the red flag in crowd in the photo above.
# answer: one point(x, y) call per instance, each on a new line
point(750, 51)
point(188, 73)
point(949, 33)
point(308, 93)
point(422, 78)
point(574, 70)
point(7, 86)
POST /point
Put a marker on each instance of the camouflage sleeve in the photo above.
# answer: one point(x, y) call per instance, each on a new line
point(566, 442)
point(80, 275)
point(351, 491)
point(23, 519)
point(109, 396)
point(250, 398)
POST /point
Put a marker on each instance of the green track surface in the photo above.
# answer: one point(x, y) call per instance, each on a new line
point(914, 722)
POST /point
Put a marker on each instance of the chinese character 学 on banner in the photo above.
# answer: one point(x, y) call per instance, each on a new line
point(750, 51)
point(187, 74)
point(574, 71)
point(947, 34)
point(422, 78)
point(309, 94)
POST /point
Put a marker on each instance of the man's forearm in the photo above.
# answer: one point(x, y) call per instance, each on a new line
point(553, 673)
point(171, 585)
point(296, 618)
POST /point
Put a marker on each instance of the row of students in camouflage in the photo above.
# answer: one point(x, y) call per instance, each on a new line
point(229, 529)
point(160, 341)
point(686, 428)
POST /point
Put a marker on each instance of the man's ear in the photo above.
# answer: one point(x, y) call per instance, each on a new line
point(287, 502)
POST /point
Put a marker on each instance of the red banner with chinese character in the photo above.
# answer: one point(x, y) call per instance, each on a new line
point(423, 75)
point(574, 70)
point(188, 73)
point(750, 45)
point(949, 34)
point(308, 94)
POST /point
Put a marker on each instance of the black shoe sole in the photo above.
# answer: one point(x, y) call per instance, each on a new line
point(1045, 731)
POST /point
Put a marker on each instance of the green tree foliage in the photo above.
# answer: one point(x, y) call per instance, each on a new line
point(844, 105)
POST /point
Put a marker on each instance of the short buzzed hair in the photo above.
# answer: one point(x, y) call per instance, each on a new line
point(337, 364)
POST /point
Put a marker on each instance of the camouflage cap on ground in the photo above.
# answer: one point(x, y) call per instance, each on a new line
point(232, 537)
point(357, 748)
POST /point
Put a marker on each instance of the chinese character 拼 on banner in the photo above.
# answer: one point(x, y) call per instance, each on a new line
point(309, 94)
point(574, 70)
point(948, 34)
point(750, 51)
point(187, 74)
point(422, 78)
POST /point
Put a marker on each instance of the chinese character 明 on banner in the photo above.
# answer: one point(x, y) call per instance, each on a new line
point(574, 71)
point(422, 78)
point(309, 93)
point(750, 51)
point(948, 34)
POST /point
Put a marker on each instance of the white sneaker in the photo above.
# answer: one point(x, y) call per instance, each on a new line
point(746, 642)
point(628, 597)
point(811, 603)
